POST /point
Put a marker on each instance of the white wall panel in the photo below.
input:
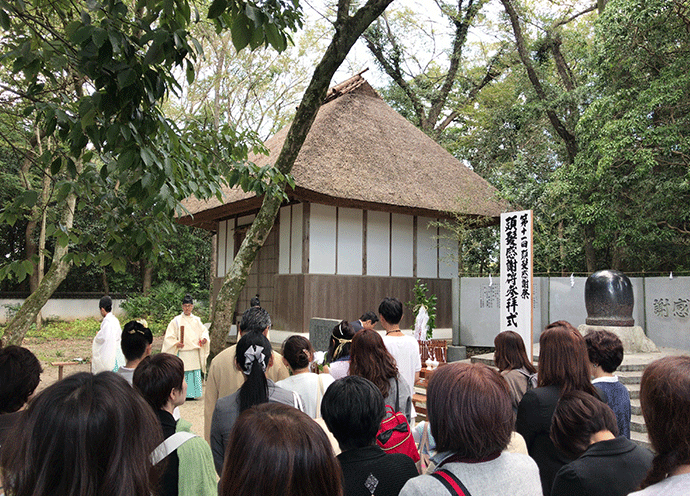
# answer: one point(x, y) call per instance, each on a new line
point(284, 240)
point(448, 255)
point(402, 245)
point(296, 243)
point(427, 248)
point(378, 243)
point(220, 256)
point(350, 241)
point(247, 219)
point(322, 229)
point(229, 245)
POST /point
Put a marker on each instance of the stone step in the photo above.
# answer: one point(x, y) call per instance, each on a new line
point(641, 439)
point(632, 377)
point(635, 408)
point(637, 423)
point(486, 359)
point(634, 390)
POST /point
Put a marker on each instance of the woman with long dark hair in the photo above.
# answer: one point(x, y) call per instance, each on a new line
point(298, 354)
point(276, 450)
point(511, 359)
point(86, 435)
point(253, 357)
point(369, 358)
point(338, 354)
point(665, 400)
point(563, 367)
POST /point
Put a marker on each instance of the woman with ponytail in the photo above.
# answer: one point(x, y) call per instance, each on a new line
point(298, 354)
point(665, 401)
point(253, 358)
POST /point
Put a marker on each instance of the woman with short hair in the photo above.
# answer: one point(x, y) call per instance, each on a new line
point(369, 358)
point(276, 450)
point(605, 351)
point(471, 419)
point(188, 461)
point(563, 367)
point(86, 435)
point(665, 400)
point(606, 465)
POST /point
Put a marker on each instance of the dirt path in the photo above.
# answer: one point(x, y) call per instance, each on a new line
point(50, 351)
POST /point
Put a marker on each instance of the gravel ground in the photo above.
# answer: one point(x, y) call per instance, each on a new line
point(50, 351)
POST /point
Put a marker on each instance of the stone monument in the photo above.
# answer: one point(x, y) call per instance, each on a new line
point(609, 301)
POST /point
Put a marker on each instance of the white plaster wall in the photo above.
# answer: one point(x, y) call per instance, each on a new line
point(296, 240)
point(402, 245)
point(448, 255)
point(284, 240)
point(427, 248)
point(378, 243)
point(229, 245)
point(350, 240)
point(65, 309)
point(245, 220)
point(322, 231)
point(220, 256)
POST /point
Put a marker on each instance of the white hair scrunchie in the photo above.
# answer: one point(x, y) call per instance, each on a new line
point(254, 352)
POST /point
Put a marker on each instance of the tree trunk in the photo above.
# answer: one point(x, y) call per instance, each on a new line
point(104, 280)
point(347, 30)
point(590, 254)
point(31, 249)
point(148, 276)
point(569, 139)
point(19, 325)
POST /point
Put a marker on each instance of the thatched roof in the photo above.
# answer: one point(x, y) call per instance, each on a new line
point(361, 153)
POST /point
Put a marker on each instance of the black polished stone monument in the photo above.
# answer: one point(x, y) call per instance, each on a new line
point(609, 301)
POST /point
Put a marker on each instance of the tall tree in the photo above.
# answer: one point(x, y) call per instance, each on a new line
point(630, 180)
point(92, 76)
point(435, 94)
point(347, 29)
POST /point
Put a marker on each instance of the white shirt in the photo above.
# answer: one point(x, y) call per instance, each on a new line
point(676, 485)
point(308, 387)
point(106, 353)
point(405, 350)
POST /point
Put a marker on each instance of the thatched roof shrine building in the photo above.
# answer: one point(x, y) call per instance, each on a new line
point(367, 185)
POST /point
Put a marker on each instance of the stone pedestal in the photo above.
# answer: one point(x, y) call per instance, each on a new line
point(320, 332)
point(634, 339)
point(456, 353)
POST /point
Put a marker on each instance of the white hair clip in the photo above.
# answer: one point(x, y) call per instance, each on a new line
point(254, 352)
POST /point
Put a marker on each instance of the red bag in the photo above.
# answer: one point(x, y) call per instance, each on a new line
point(394, 435)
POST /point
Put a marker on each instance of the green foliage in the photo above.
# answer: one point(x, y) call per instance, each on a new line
point(255, 24)
point(421, 298)
point(91, 77)
point(630, 185)
point(160, 305)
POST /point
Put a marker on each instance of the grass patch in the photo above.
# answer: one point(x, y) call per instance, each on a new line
point(54, 329)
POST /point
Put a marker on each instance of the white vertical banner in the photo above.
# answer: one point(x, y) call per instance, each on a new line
point(516, 275)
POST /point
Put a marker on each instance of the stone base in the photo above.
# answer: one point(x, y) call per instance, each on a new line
point(456, 353)
point(634, 338)
point(320, 332)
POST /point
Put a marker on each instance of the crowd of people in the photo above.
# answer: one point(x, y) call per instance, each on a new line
point(280, 424)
